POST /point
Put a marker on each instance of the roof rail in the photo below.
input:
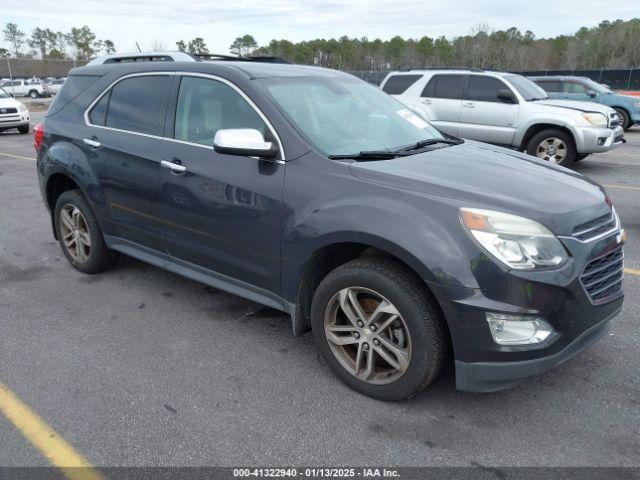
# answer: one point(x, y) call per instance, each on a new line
point(469, 69)
point(143, 57)
point(255, 58)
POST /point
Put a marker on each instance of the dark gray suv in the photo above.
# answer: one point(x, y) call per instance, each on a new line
point(315, 193)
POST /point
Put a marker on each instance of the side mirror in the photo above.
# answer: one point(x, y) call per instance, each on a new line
point(592, 94)
point(507, 96)
point(245, 142)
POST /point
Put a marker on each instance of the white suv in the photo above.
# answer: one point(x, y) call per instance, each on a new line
point(507, 109)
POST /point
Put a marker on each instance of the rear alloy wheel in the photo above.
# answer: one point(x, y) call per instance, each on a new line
point(379, 328)
point(79, 234)
point(554, 146)
point(34, 94)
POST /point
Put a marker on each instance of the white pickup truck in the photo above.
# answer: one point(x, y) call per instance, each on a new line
point(26, 88)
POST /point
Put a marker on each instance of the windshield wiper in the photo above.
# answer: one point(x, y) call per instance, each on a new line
point(368, 155)
point(430, 141)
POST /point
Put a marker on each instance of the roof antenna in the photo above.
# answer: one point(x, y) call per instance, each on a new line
point(139, 51)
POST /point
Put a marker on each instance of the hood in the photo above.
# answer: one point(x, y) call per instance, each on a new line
point(575, 105)
point(9, 103)
point(478, 175)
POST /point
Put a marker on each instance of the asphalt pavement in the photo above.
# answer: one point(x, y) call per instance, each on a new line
point(138, 366)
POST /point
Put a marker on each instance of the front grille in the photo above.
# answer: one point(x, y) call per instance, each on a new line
point(614, 120)
point(8, 110)
point(602, 276)
point(591, 229)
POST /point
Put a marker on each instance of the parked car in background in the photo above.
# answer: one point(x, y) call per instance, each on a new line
point(585, 89)
point(13, 114)
point(54, 86)
point(313, 192)
point(26, 88)
point(508, 110)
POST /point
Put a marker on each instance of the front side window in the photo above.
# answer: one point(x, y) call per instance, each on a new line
point(138, 104)
point(526, 88)
point(342, 115)
point(206, 106)
point(484, 89)
point(574, 87)
point(398, 84)
point(550, 85)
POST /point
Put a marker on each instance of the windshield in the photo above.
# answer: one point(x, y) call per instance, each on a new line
point(595, 86)
point(3, 94)
point(526, 88)
point(343, 116)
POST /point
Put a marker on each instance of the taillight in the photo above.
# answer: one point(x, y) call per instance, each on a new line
point(38, 132)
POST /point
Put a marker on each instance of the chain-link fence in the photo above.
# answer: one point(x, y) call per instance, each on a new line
point(29, 67)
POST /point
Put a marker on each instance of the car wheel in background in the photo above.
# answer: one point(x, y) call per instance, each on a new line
point(625, 121)
point(379, 328)
point(79, 234)
point(555, 146)
point(34, 94)
point(23, 129)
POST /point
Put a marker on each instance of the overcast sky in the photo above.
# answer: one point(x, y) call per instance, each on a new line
point(220, 22)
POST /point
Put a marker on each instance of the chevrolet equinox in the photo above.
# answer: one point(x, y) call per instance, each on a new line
point(310, 191)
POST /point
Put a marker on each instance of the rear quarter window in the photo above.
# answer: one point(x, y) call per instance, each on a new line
point(398, 84)
point(74, 86)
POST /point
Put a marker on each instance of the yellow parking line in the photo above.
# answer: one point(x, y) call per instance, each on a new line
point(17, 156)
point(621, 186)
point(632, 271)
point(59, 453)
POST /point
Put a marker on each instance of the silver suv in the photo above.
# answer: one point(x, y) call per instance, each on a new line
point(509, 110)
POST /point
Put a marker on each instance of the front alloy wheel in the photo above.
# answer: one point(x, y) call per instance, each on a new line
point(367, 335)
point(553, 150)
point(379, 328)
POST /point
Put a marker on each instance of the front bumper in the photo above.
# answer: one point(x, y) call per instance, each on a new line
point(556, 295)
point(596, 140)
point(14, 120)
point(496, 376)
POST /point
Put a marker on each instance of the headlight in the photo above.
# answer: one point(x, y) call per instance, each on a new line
point(517, 242)
point(596, 119)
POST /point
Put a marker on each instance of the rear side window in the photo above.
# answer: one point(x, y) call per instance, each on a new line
point(138, 104)
point(74, 86)
point(398, 84)
point(483, 89)
point(550, 86)
point(98, 114)
point(445, 86)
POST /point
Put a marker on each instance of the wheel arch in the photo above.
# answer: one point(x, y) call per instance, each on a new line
point(57, 183)
point(539, 127)
point(332, 255)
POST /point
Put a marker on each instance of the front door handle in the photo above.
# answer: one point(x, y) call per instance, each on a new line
point(92, 143)
point(425, 102)
point(469, 105)
point(174, 167)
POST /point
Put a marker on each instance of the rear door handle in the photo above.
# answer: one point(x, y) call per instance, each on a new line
point(92, 143)
point(174, 167)
point(425, 101)
point(468, 105)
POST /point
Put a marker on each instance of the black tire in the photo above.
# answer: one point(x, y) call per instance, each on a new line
point(23, 129)
point(34, 94)
point(100, 257)
point(553, 133)
point(422, 317)
point(624, 117)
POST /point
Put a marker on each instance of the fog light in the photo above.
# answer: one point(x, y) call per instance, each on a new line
point(518, 329)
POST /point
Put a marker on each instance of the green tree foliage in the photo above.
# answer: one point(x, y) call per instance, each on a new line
point(197, 46)
point(182, 47)
point(608, 45)
point(84, 41)
point(14, 36)
point(243, 46)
